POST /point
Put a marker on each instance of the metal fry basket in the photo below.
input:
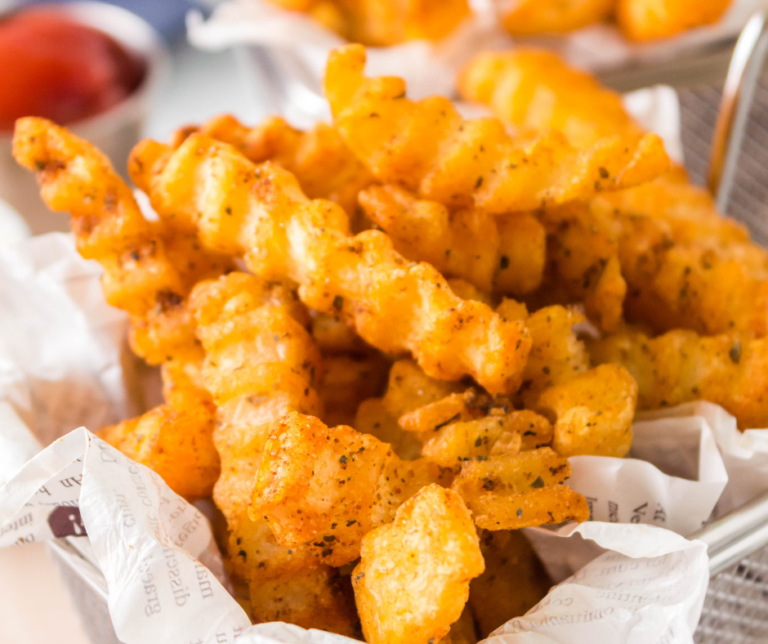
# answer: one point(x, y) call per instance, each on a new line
point(725, 138)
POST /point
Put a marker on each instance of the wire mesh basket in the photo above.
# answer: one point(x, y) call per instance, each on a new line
point(715, 124)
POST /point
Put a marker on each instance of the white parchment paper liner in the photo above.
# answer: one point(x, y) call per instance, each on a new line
point(62, 348)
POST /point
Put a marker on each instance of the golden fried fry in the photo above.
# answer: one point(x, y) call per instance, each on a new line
point(142, 275)
point(492, 435)
point(147, 271)
point(536, 89)
point(389, 22)
point(665, 246)
point(255, 346)
point(332, 336)
point(532, 17)
point(652, 19)
point(175, 439)
point(686, 266)
point(660, 259)
point(583, 261)
point(329, 13)
point(557, 355)
point(426, 147)
point(408, 389)
point(384, 23)
point(524, 490)
point(288, 585)
point(396, 306)
point(681, 366)
point(260, 365)
point(412, 581)
point(593, 412)
point(328, 487)
point(467, 291)
point(319, 158)
point(689, 210)
point(707, 287)
point(502, 255)
point(514, 580)
point(346, 381)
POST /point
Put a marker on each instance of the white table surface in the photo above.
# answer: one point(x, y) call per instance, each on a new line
point(34, 605)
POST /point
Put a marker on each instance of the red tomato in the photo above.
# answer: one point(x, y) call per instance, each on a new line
point(54, 67)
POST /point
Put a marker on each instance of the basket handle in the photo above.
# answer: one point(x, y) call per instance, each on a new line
point(743, 73)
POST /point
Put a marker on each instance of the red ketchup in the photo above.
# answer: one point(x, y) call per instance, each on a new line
point(54, 67)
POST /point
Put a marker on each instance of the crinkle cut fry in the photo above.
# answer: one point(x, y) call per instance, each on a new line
point(686, 266)
point(428, 148)
point(522, 490)
point(328, 487)
point(394, 305)
point(557, 355)
point(408, 389)
point(537, 89)
point(681, 366)
point(321, 161)
point(384, 23)
point(642, 20)
point(140, 275)
point(583, 261)
point(497, 254)
point(707, 287)
point(689, 210)
point(412, 581)
point(532, 17)
point(465, 427)
point(174, 439)
point(347, 380)
point(260, 365)
point(593, 412)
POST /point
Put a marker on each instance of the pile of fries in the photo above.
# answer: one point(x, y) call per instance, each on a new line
point(370, 332)
point(383, 23)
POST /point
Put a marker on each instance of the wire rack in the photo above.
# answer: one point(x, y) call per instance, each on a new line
point(748, 201)
point(725, 142)
point(736, 606)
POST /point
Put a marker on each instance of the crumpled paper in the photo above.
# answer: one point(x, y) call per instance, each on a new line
point(63, 358)
point(648, 587)
point(163, 569)
point(673, 477)
point(744, 454)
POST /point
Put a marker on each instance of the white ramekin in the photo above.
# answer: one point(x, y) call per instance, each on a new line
point(114, 132)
